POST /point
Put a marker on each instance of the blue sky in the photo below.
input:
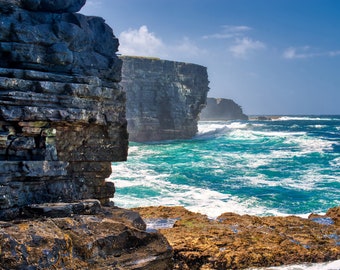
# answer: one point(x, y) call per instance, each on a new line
point(270, 56)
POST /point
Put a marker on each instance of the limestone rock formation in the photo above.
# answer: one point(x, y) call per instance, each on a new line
point(242, 241)
point(164, 98)
point(62, 114)
point(54, 6)
point(95, 238)
point(222, 109)
point(62, 123)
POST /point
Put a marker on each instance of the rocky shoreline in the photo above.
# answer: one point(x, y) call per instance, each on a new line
point(82, 235)
point(235, 241)
point(62, 123)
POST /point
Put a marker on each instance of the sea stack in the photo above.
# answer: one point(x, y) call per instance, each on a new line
point(164, 98)
point(222, 109)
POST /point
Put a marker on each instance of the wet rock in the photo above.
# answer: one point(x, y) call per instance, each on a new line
point(241, 241)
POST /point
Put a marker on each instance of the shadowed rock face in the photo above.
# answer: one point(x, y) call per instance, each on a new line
point(222, 109)
point(54, 5)
point(164, 98)
point(62, 114)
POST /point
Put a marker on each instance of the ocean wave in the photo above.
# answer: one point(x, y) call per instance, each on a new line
point(203, 200)
point(274, 168)
point(333, 265)
point(211, 130)
point(304, 118)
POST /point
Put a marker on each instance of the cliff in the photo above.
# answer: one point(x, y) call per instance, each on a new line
point(164, 98)
point(222, 109)
point(62, 123)
point(62, 115)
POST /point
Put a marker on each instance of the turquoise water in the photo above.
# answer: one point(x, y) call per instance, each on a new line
point(290, 165)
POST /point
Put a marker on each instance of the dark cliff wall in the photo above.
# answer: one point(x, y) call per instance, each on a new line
point(164, 98)
point(62, 114)
point(222, 109)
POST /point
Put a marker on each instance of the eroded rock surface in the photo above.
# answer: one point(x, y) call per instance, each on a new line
point(241, 241)
point(222, 109)
point(62, 114)
point(94, 238)
point(164, 98)
point(62, 123)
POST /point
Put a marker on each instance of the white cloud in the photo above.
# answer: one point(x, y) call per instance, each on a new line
point(240, 44)
point(236, 28)
point(298, 53)
point(229, 31)
point(93, 2)
point(186, 46)
point(244, 45)
point(334, 53)
point(307, 52)
point(140, 42)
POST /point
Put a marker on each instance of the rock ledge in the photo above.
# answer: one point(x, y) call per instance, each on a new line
point(242, 241)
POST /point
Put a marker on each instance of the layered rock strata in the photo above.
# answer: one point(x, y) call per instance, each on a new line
point(164, 98)
point(242, 241)
point(62, 114)
point(62, 123)
point(222, 109)
point(89, 237)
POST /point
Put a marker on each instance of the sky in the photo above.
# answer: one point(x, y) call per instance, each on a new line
point(272, 57)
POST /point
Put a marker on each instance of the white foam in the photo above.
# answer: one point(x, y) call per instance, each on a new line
point(204, 201)
point(208, 129)
point(310, 144)
point(318, 126)
point(303, 118)
point(238, 125)
point(335, 162)
point(279, 133)
point(333, 265)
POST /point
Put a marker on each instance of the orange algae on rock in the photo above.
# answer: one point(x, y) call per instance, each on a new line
point(235, 241)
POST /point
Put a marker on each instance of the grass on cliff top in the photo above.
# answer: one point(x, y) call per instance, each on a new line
point(139, 57)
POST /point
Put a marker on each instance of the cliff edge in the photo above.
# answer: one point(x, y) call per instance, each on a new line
point(164, 98)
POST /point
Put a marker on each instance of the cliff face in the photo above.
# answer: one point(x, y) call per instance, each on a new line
point(62, 114)
point(62, 123)
point(164, 98)
point(222, 109)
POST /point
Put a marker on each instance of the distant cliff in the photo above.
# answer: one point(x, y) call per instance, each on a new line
point(164, 98)
point(222, 109)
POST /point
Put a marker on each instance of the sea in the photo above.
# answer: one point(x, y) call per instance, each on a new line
point(289, 165)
